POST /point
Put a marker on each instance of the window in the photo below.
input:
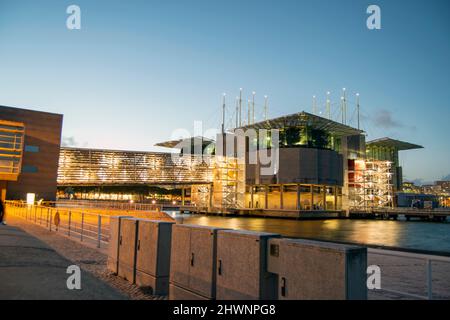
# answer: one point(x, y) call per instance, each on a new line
point(29, 169)
point(31, 148)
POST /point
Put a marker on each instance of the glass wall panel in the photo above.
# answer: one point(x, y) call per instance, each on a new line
point(305, 197)
point(290, 197)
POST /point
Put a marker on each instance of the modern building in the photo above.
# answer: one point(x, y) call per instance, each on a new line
point(322, 165)
point(29, 152)
point(387, 149)
point(312, 157)
point(129, 175)
point(11, 153)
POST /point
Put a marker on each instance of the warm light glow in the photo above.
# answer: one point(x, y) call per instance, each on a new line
point(30, 198)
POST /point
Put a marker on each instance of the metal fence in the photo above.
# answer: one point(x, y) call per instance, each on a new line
point(87, 227)
point(93, 229)
point(113, 205)
point(406, 268)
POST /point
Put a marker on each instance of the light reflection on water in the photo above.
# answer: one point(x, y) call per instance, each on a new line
point(401, 234)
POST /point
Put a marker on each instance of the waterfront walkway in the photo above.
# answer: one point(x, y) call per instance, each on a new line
point(30, 269)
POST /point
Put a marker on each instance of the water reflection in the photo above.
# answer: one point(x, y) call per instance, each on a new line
point(412, 235)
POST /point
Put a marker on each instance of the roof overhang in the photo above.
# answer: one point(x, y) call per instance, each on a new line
point(392, 143)
point(181, 143)
point(305, 118)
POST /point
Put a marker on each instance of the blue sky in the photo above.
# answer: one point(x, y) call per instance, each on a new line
point(137, 70)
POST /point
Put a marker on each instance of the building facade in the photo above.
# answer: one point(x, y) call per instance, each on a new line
point(321, 165)
point(39, 151)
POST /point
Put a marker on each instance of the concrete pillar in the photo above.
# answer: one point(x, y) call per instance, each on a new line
point(211, 190)
point(251, 196)
point(127, 248)
point(153, 255)
point(241, 272)
point(331, 271)
point(193, 262)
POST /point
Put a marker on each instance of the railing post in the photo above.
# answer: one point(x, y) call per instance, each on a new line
point(47, 219)
point(35, 214)
point(82, 226)
point(429, 279)
point(99, 231)
point(70, 221)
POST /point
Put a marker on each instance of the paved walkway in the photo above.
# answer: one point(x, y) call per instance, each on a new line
point(30, 269)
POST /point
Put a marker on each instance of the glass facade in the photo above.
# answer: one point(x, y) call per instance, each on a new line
point(301, 197)
point(11, 146)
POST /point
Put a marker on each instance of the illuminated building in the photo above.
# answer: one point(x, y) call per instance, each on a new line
point(322, 166)
point(11, 152)
point(387, 149)
point(125, 173)
point(29, 150)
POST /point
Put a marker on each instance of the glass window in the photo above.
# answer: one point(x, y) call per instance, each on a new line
point(31, 149)
point(29, 169)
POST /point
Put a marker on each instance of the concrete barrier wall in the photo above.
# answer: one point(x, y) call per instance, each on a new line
point(214, 263)
point(127, 249)
point(242, 266)
point(153, 255)
point(113, 249)
point(318, 270)
point(193, 262)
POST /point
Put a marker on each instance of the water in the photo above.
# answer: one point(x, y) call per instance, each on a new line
point(413, 235)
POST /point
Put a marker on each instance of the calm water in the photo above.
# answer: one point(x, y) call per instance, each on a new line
point(426, 236)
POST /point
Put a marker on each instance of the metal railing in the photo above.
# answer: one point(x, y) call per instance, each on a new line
point(399, 210)
point(112, 205)
point(428, 259)
point(90, 228)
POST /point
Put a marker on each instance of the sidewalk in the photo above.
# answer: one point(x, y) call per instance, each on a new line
point(30, 269)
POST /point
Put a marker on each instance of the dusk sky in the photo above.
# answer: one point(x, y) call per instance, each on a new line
point(138, 70)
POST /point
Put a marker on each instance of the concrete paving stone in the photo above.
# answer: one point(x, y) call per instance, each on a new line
point(30, 269)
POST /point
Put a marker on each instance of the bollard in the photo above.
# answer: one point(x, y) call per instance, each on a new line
point(242, 266)
point(153, 255)
point(193, 262)
point(311, 270)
